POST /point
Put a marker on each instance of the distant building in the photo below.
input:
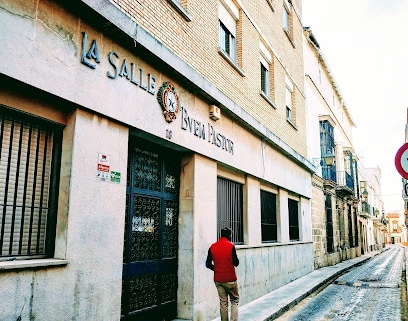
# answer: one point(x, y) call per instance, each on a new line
point(394, 228)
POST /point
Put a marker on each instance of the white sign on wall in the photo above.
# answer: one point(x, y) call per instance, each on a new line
point(103, 167)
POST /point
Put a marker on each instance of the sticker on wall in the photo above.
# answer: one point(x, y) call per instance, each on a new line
point(103, 167)
point(115, 177)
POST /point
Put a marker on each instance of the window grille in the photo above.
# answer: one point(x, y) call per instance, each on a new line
point(29, 158)
point(230, 208)
point(269, 225)
point(293, 220)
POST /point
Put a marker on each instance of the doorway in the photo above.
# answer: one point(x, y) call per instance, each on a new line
point(149, 279)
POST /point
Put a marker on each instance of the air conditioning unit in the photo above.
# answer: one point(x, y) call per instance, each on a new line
point(215, 112)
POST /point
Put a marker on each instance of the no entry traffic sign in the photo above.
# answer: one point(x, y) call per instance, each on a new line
point(401, 161)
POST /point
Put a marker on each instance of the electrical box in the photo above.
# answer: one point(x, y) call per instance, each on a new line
point(215, 112)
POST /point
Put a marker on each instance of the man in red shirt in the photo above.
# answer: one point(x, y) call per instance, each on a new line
point(222, 259)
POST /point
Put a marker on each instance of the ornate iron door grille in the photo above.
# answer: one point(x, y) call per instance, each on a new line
point(149, 282)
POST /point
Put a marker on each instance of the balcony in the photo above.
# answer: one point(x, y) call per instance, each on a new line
point(365, 209)
point(345, 184)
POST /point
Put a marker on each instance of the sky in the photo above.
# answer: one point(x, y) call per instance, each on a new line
point(365, 43)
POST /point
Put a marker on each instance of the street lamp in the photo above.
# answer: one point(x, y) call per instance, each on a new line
point(329, 159)
point(365, 195)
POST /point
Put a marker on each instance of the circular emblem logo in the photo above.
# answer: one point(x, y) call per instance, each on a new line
point(169, 101)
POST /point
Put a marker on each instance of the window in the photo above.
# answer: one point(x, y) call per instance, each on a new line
point(268, 217)
point(29, 167)
point(264, 79)
point(227, 42)
point(230, 208)
point(266, 68)
point(289, 100)
point(293, 220)
point(288, 104)
point(287, 18)
point(228, 16)
point(326, 147)
point(395, 226)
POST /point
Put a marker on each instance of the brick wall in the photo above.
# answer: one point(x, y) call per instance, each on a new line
point(197, 43)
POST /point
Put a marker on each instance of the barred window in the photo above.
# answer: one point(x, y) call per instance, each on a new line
point(230, 208)
point(29, 169)
point(268, 217)
point(293, 220)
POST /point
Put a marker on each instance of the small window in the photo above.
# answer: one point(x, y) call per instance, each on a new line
point(228, 17)
point(266, 69)
point(289, 104)
point(394, 226)
point(287, 19)
point(230, 208)
point(30, 159)
point(227, 42)
point(269, 226)
point(265, 80)
point(293, 220)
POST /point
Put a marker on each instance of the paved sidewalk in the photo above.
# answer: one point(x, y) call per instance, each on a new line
point(277, 302)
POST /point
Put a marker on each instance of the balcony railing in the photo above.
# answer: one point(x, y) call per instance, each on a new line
point(345, 179)
point(345, 184)
point(366, 208)
point(329, 173)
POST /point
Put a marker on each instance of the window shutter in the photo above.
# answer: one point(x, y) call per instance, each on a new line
point(25, 168)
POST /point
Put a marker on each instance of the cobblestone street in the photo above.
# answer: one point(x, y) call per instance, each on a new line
point(371, 291)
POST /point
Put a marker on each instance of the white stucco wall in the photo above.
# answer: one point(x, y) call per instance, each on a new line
point(89, 234)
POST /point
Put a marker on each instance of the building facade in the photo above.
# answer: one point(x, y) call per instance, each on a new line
point(344, 224)
point(131, 132)
point(372, 209)
point(334, 210)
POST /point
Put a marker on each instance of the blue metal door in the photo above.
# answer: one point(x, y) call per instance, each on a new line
point(149, 281)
